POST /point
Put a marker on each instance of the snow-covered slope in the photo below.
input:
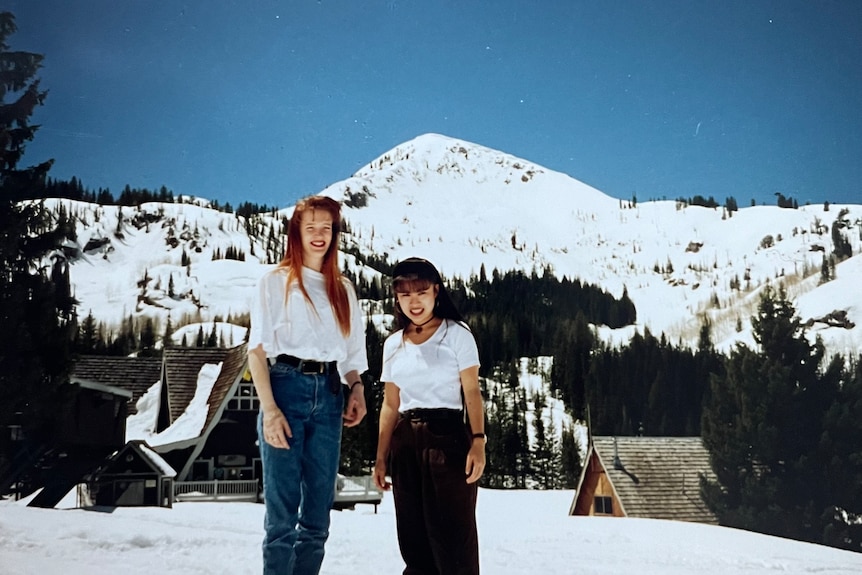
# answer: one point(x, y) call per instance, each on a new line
point(464, 206)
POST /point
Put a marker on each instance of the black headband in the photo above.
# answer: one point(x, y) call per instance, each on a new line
point(417, 266)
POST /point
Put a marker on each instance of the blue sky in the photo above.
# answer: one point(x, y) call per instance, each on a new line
point(269, 101)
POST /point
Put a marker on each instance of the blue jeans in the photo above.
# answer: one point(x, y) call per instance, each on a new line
point(299, 483)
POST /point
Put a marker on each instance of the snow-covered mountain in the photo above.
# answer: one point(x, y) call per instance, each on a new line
point(464, 206)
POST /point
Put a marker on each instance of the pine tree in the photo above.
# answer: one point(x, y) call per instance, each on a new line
point(36, 314)
point(147, 345)
point(764, 426)
point(168, 334)
point(496, 462)
point(825, 274)
point(570, 458)
point(516, 448)
point(545, 453)
point(212, 338)
point(842, 440)
point(87, 340)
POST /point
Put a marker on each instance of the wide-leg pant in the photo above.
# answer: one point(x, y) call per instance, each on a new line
point(299, 483)
point(435, 507)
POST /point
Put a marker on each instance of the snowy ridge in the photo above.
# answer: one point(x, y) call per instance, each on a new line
point(464, 206)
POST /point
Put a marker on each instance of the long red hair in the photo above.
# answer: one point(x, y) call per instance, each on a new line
point(335, 290)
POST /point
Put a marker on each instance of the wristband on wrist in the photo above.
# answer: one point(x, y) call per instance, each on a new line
point(355, 383)
point(480, 436)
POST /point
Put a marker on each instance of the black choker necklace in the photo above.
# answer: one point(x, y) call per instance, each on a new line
point(419, 326)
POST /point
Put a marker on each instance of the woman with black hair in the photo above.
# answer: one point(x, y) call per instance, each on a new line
point(435, 451)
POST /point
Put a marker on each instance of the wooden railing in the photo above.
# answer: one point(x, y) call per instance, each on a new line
point(352, 490)
point(228, 490)
point(348, 491)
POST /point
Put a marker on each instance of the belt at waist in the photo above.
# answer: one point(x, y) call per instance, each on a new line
point(432, 414)
point(308, 366)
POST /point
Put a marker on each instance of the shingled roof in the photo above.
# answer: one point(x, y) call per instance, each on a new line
point(182, 365)
point(134, 374)
point(654, 477)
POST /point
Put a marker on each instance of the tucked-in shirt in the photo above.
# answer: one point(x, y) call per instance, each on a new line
point(293, 327)
point(428, 375)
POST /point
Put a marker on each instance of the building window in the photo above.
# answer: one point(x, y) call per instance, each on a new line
point(245, 398)
point(603, 505)
point(16, 433)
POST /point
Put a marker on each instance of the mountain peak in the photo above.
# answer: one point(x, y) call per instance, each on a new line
point(455, 177)
point(450, 156)
point(465, 206)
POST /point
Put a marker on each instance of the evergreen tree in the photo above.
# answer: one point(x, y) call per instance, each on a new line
point(516, 448)
point(841, 245)
point(842, 442)
point(494, 466)
point(570, 459)
point(212, 338)
point(87, 340)
point(573, 344)
point(542, 463)
point(168, 333)
point(147, 341)
point(37, 315)
point(765, 425)
point(825, 273)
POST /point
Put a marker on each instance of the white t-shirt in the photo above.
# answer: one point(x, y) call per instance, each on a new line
point(428, 375)
point(303, 331)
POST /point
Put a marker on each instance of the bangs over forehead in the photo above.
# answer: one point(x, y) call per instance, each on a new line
point(410, 283)
point(414, 274)
point(316, 215)
point(317, 208)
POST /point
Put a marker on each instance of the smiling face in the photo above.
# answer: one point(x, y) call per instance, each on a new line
point(416, 300)
point(316, 233)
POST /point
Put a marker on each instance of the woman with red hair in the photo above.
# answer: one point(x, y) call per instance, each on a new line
point(307, 339)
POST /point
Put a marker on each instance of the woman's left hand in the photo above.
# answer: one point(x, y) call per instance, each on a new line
point(356, 409)
point(475, 461)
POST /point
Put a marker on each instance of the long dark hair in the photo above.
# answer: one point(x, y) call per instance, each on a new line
point(414, 274)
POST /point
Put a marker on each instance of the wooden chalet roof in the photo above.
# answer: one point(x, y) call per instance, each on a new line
point(119, 464)
point(182, 365)
point(657, 477)
point(134, 374)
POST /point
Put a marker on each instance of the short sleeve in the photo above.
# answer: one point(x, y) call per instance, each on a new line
point(466, 351)
point(260, 316)
point(389, 348)
point(357, 354)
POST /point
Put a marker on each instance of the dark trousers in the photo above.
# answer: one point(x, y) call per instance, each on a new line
point(435, 508)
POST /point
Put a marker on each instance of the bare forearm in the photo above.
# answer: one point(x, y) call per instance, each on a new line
point(475, 410)
point(351, 378)
point(388, 419)
point(259, 369)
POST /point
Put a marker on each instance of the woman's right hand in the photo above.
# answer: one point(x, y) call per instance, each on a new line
point(276, 430)
point(380, 475)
